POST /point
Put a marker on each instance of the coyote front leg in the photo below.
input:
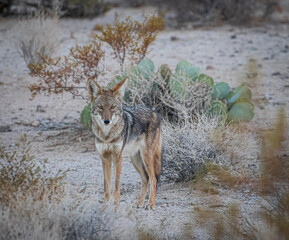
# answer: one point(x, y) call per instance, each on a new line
point(117, 161)
point(106, 167)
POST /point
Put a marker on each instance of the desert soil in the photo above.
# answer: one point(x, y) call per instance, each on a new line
point(52, 122)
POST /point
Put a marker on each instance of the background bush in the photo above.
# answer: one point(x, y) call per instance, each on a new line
point(36, 37)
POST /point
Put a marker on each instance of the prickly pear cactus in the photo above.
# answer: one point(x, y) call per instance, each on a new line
point(220, 90)
point(217, 109)
point(241, 111)
point(241, 92)
point(85, 117)
point(165, 72)
point(146, 68)
point(178, 85)
point(186, 68)
point(206, 79)
point(231, 104)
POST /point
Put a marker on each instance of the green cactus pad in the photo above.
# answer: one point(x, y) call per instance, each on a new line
point(146, 67)
point(246, 94)
point(241, 111)
point(178, 85)
point(241, 92)
point(186, 68)
point(85, 117)
point(217, 108)
point(165, 72)
point(220, 90)
point(206, 79)
point(229, 95)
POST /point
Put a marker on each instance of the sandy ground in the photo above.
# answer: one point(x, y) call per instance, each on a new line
point(52, 123)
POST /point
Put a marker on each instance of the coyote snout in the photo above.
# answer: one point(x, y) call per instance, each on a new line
point(131, 130)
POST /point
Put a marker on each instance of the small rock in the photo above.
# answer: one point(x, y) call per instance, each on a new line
point(39, 108)
point(35, 124)
point(5, 128)
point(25, 123)
point(209, 67)
point(233, 37)
point(174, 38)
point(276, 74)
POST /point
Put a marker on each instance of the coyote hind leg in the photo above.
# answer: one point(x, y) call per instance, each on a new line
point(139, 166)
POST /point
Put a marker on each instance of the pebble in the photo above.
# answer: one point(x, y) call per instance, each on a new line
point(35, 124)
point(40, 108)
point(209, 67)
point(276, 74)
point(174, 38)
point(25, 123)
point(5, 128)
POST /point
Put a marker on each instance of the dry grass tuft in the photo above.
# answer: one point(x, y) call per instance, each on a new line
point(275, 167)
point(187, 147)
point(229, 224)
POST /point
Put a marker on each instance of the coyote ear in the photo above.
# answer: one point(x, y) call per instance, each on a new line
point(93, 89)
point(119, 89)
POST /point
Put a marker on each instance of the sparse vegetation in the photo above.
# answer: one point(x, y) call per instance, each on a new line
point(201, 144)
point(196, 12)
point(65, 216)
point(21, 173)
point(37, 37)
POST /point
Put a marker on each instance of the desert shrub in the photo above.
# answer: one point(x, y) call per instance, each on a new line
point(68, 216)
point(187, 147)
point(21, 172)
point(208, 11)
point(37, 36)
point(85, 8)
point(71, 8)
point(130, 39)
point(68, 73)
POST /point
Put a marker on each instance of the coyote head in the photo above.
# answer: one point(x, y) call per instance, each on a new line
point(106, 105)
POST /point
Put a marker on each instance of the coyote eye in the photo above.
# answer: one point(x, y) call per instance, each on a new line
point(113, 107)
point(100, 107)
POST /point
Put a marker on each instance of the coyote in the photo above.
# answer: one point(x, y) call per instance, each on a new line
point(133, 131)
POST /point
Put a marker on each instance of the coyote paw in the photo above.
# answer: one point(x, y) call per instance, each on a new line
point(139, 204)
point(149, 207)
